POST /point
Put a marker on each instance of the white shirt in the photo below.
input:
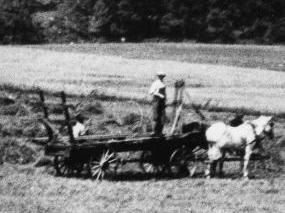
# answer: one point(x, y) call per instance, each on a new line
point(78, 129)
point(155, 88)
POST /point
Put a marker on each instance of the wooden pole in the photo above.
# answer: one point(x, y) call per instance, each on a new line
point(175, 100)
point(178, 111)
point(180, 120)
point(67, 117)
point(177, 121)
point(196, 109)
point(44, 106)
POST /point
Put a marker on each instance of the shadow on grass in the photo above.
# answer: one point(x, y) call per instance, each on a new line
point(139, 176)
point(101, 96)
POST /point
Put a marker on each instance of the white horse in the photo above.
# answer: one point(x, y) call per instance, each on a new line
point(222, 138)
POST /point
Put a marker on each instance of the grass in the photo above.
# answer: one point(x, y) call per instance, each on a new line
point(78, 70)
point(27, 191)
point(250, 56)
point(120, 73)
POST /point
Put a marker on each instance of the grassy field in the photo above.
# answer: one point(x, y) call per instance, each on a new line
point(29, 191)
point(234, 77)
point(249, 56)
point(80, 69)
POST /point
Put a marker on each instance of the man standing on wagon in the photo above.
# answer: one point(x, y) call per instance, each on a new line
point(158, 92)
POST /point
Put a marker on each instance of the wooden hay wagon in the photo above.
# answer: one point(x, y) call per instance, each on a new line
point(98, 155)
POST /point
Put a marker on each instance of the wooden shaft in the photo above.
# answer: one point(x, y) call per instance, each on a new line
point(177, 96)
point(67, 117)
point(180, 120)
point(177, 121)
point(42, 98)
point(178, 111)
point(174, 103)
point(196, 109)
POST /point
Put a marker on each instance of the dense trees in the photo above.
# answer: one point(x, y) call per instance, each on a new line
point(225, 21)
point(16, 22)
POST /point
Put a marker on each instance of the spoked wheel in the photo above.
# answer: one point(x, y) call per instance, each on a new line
point(180, 162)
point(107, 163)
point(66, 167)
point(149, 164)
point(77, 168)
point(61, 166)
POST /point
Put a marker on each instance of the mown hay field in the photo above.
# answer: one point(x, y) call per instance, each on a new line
point(35, 192)
point(233, 77)
point(77, 69)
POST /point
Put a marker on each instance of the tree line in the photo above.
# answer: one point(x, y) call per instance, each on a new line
point(223, 21)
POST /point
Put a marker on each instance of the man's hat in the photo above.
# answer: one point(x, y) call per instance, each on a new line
point(160, 73)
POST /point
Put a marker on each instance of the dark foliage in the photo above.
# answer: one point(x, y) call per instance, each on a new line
point(224, 21)
point(16, 24)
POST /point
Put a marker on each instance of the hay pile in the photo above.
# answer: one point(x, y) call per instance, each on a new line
point(6, 101)
point(16, 151)
point(20, 127)
point(91, 107)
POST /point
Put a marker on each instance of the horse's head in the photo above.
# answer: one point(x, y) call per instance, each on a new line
point(265, 125)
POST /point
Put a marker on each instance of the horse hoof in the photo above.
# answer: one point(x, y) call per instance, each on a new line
point(221, 175)
point(245, 178)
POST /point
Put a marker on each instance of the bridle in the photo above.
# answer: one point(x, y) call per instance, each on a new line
point(257, 138)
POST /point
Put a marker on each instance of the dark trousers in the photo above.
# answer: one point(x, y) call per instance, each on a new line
point(158, 105)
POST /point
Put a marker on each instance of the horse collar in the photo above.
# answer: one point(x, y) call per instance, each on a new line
point(253, 128)
point(256, 139)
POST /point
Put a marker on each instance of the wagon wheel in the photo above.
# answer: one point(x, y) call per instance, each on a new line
point(180, 162)
point(149, 164)
point(107, 163)
point(61, 166)
point(77, 168)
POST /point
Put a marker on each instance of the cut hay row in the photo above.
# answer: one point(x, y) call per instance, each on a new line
point(80, 73)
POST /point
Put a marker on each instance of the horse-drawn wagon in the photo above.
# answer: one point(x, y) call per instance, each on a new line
point(98, 155)
point(101, 154)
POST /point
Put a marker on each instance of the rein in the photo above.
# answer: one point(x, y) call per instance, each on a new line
point(257, 138)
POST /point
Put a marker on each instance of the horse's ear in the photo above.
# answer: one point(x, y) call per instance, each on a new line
point(270, 118)
point(271, 121)
point(253, 124)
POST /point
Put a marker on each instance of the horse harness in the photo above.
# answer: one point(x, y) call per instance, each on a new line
point(257, 139)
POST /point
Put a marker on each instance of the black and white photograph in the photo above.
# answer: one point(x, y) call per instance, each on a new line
point(142, 106)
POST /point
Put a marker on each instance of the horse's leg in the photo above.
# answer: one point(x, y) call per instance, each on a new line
point(248, 152)
point(209, 164)
point(221, 164)
point(241, 164)
point(209, 169)
point(214, 154)
point(214, 166)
